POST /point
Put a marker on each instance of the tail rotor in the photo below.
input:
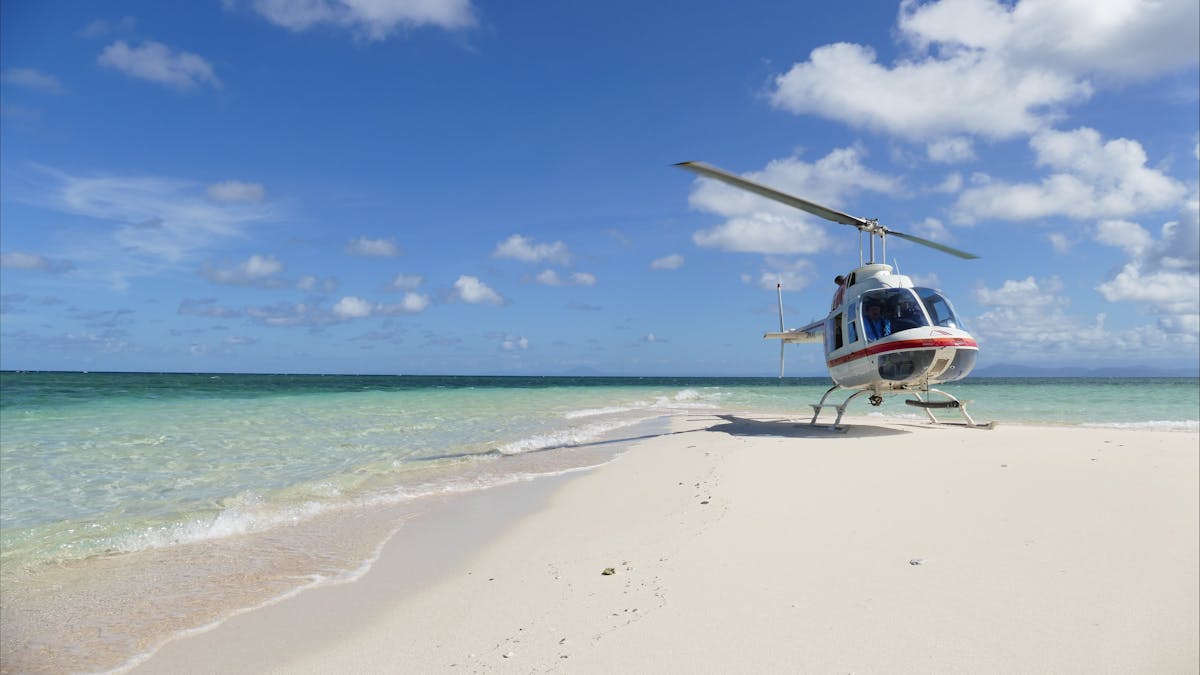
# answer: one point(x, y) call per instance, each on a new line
point(782, 344)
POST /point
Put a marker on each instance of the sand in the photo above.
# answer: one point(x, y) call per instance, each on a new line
point(750, 544)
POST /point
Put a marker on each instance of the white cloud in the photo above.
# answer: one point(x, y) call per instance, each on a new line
point(406, 282)
point(34, 261)
point(764, 233)
point(990, 68)
point(969, 92)
point(411, 303)
point(311, 282)
point(233, 191)
point(103, 27)
point(792, 275)
point(1092, 179)
point(351, 307)
point(1061, 243)
point(1125, 39)
point(758, 225)
point(257, 270)
point(951, 150)
point(514, 343)
point(550, 278)
point(373, 20)
point(365, 246)
point(1131, 237)
point(31, 78)
point(156, 62)
point(932, 228)
point(1162, 274)
point(668, 262)
point(522, 248)
point(472, 290)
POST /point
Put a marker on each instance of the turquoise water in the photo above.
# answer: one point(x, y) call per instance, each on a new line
point(116, 484)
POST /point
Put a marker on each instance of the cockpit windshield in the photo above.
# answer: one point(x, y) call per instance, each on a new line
point(939, 309)
point(891, 310)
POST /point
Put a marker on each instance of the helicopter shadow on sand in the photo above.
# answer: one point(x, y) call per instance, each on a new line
point(793, 428)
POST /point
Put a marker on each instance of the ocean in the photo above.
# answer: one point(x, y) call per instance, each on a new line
point(137, 506)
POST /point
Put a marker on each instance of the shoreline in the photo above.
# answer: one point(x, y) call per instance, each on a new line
point(754, 543)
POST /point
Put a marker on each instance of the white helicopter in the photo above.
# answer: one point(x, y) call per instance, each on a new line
point(883, 335)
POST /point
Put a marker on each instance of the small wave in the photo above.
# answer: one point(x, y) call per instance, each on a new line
point(594, 412)
point(1152, 425)
point(565, 438)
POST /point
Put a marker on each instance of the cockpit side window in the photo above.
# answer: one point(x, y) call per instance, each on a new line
point(940, 311)
point(890, 310)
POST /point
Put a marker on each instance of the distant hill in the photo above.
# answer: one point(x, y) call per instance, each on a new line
point(1013, 370)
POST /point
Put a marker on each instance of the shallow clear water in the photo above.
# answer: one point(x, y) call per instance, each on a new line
point(143, 493)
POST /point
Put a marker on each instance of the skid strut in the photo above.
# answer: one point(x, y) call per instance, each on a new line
point(951, 403)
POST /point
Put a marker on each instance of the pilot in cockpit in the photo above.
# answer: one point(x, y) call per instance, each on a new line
point(877, 326)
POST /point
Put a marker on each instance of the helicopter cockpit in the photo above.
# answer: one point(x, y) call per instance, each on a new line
point(886, 311)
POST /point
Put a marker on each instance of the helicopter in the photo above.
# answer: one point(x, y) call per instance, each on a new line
point(883, 334)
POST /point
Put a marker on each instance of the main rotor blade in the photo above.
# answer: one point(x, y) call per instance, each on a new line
point(932, 244)
point(771, 193)
point(815, 209)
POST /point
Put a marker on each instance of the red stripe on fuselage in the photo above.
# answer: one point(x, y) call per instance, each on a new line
point(923, 343)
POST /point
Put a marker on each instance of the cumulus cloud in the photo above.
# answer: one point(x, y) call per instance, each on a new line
point(971, 92)
point(1027, 317)
point(351, 307)
point(668, 262)
point(1122, 39)
point(366, 246)
point(257, 270)
point(1090, 179)
point(758, 225)
point(951, 150)
point(34, 261)
point(990, 68)
point(1163, 274)
point(471, 290)
point(551, 278)
point(405, 282)
point(522, 248)
point(32, 78)
point(233, 191)
point(311, 282)
point(158, 63)
point(793, 275)
point(373, 20)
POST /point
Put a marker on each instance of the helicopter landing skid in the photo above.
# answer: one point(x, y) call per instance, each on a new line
point(920, 402)
point(950, 403)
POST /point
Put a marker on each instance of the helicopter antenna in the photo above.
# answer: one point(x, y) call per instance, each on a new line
point(871, 227)
point(782, 343)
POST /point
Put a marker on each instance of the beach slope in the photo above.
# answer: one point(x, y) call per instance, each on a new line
point(742, 543)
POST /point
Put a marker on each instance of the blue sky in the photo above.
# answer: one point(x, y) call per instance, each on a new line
point(456, 186)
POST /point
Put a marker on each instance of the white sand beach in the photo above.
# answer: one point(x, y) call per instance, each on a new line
point(751, 544)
